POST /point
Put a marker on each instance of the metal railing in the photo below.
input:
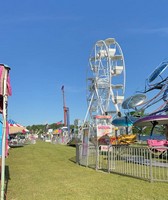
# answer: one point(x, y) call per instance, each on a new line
point(60, 140)
point(140, 162)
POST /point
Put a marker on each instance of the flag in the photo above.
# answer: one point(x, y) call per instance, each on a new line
point(62, 88)
point(58, 123)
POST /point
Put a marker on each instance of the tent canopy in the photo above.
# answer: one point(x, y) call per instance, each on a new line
point(14, 127)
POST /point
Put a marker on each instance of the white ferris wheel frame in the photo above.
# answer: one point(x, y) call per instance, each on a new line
point(106, 62)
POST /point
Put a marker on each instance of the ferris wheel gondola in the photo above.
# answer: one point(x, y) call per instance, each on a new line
point(105, 79)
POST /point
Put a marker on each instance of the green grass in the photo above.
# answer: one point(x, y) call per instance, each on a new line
point(44, 171)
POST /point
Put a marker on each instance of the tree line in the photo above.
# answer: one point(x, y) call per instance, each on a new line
point(43, 128)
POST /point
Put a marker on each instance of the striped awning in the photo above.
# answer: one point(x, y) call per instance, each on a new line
point(15, 127)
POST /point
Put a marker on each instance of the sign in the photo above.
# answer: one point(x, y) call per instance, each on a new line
point(105, 148)
point(104, 130)
point(103, 117)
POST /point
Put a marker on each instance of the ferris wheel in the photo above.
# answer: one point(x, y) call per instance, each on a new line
point(105, 79)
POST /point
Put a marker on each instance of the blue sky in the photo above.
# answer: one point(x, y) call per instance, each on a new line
point(47, 44)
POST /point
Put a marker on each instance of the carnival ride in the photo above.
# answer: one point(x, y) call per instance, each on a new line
point(104, 145)
point(156, 81)
point(105, 79)
point(105, 87)
point(138, 104)
point(66, 111)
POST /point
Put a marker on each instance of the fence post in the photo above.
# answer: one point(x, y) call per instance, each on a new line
point(151, 172)
point(109, 158)
point(97, 157)
point(77, 154)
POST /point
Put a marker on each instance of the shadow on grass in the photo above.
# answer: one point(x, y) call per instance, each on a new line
point(73, 159)
point(16, 146)
point(7, 178)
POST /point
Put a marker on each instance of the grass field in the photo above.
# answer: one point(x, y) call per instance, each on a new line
point(44, 171)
